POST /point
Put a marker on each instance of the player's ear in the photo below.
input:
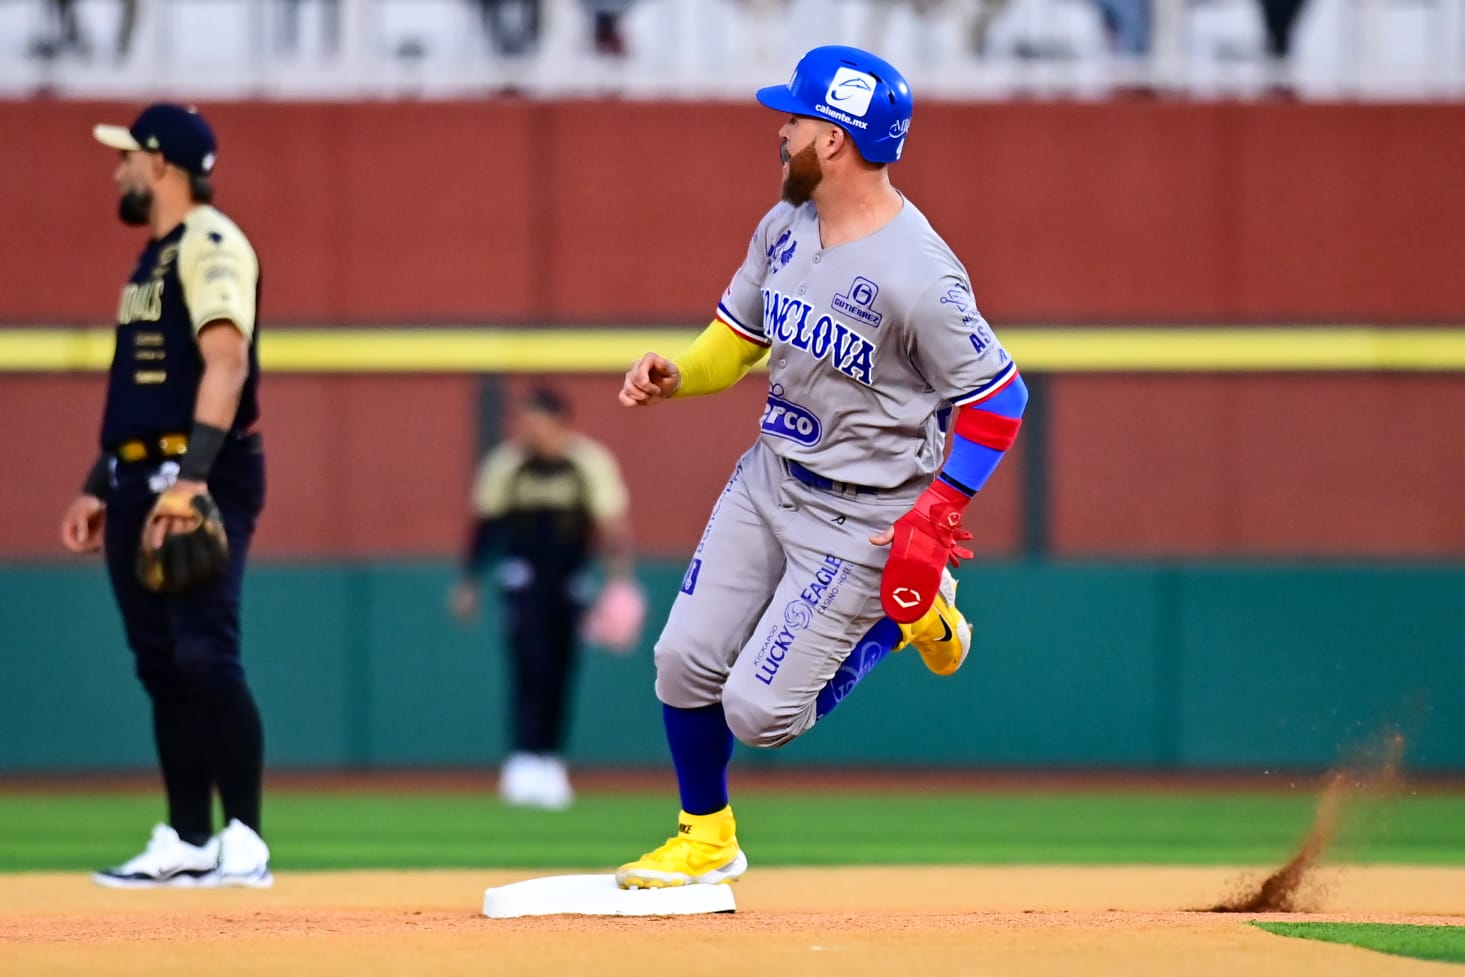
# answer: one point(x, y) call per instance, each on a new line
point(835, 139)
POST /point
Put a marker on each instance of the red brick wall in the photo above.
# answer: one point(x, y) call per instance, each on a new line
point(637, 213)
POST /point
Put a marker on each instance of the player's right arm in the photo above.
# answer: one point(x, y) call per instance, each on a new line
point(490, 504)
point(716, 360)
point(82, 524)
point(728, 348)
point(219, 275)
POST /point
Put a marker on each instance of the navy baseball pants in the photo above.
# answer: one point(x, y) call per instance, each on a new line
point(543, 631)
point(187, 648)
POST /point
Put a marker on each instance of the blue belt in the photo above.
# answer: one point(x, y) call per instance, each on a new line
point(815, 480)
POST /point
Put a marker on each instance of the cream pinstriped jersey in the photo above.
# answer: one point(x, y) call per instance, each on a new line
point(501, 486)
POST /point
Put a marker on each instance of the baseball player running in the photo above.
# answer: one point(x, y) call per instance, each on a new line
point(829, 545)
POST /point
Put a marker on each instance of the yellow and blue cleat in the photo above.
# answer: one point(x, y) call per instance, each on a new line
point(942, 635)
point(704, 851)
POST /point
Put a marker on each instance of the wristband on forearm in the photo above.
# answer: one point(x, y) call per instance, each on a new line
point(982, 435)
point(939, 493)
point(99, 478)
point(204, 444)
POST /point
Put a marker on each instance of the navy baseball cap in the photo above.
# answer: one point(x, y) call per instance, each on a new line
point(180, 135)
point(547, 400)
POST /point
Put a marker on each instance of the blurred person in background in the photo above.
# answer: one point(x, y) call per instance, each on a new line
point(1127, 25)
point(514, 26)
point(545, 502)
point(289, 27)
point(177, 440)
point(606, 35)
point(983, 13)
point(69, 38)
point(1280, 17)
point(978, 14)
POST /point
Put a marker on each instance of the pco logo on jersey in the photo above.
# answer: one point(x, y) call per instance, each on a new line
point(788, 420)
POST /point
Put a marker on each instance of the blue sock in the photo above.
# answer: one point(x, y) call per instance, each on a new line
point(875, 645)
point(701, 748)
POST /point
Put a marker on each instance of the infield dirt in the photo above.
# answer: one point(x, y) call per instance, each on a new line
point(849, 922)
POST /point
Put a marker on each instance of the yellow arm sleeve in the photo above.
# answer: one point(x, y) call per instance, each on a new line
point(716, 360)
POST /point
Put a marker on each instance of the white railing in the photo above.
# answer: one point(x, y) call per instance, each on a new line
point(722, 49)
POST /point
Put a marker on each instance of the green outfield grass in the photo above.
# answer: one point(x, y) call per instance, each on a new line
point(379, 829)
point(1424, 942)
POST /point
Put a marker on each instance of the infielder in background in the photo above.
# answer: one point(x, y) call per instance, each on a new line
point(828, 547)
point(174, 495)
point(545, 502)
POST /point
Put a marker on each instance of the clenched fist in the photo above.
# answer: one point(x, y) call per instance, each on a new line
point(652, 378)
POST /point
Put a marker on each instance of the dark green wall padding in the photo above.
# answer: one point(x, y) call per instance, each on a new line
point(1133, 666)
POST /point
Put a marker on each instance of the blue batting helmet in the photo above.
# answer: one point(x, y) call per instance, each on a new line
point(862, 94)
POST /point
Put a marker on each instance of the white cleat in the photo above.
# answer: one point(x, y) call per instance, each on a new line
point(244, 858)
point(555, 792)
point(519, 779)
point(167, 862)
point(537, 781)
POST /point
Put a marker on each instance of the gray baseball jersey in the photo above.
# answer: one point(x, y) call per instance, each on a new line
point(870, 341)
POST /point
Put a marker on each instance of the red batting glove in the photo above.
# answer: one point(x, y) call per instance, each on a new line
point(926, 539)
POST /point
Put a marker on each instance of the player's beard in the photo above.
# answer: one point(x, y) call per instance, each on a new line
point(135, 208)
point(803, 177)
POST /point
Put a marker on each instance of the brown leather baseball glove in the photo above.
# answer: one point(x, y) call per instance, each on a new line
point(193, 554)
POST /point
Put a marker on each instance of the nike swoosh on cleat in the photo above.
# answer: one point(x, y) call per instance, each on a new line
point(945, 630)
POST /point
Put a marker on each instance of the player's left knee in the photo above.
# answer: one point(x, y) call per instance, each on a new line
point(758, 725)
point(201, 665)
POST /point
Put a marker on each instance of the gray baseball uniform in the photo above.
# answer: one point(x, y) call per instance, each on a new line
point(871, 343)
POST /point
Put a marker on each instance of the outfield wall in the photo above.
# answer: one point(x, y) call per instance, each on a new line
point(504, 210)
point(1133, 666)
point(1342, 466)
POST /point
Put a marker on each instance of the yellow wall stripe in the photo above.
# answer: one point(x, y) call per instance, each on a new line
point(611, 350)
